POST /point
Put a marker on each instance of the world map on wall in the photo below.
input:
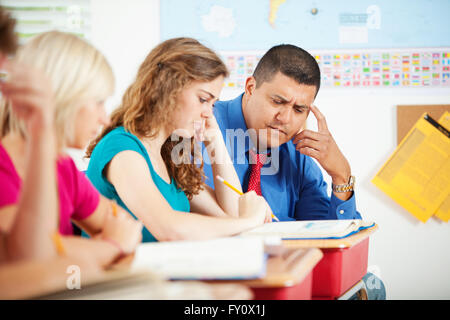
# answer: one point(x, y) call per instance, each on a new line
point(228, 25)
point(357, 43)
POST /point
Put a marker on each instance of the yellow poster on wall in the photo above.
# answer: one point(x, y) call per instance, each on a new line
point(417, 175)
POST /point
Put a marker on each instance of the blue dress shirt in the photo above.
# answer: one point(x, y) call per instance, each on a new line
point(291, 182)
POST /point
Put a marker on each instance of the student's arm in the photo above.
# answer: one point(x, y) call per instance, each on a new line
point(120, 240)
point(206, 203)
point(95, 222)
point(221, 201)
point(30, 279)
point(37, 211)
point(2, 246)
point(7, 216)
point(100, 252)
point(128, 172)
point(112, 235)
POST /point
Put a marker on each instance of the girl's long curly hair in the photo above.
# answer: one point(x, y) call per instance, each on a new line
point(149, 103)
point(8, 39)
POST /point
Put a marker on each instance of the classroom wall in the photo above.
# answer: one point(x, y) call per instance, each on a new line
point(125, 31)
point(413, 258)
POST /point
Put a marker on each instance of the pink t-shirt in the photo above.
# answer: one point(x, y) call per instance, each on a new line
point(78, 198)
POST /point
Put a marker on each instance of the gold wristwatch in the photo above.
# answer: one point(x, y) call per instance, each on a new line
point(344, 187)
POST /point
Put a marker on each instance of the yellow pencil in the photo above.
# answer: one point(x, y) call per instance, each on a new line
point(114, 208)
point(237, 191)
point(58, 244)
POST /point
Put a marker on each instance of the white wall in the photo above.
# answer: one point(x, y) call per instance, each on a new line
point(125, 31)
point(414, 258)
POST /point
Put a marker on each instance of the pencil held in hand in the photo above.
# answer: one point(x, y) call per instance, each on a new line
point(237, 191)
point(58, 244)
point(229, 185)
point(114, 208)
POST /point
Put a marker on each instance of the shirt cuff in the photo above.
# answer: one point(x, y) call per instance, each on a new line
point(344, 209)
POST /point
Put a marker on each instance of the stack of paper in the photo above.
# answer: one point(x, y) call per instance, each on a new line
point(225, 258)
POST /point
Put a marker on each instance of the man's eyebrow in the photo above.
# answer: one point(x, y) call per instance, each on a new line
point(284, 100)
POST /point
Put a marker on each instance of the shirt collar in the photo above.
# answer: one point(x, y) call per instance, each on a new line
point(235, 114)
point(236, 118)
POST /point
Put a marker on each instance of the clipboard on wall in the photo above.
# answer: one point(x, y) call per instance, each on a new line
point(408, 115)
point(417, 175)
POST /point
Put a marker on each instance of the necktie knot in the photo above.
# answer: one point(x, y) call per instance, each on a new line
point(257, 162)
point(257, 159)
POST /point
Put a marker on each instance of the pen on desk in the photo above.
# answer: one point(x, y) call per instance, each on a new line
point(237, 191)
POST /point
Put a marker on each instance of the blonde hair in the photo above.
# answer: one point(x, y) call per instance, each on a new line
point(78, 72)
point(150, 101)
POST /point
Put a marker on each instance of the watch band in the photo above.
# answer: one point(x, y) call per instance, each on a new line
point(350, 186)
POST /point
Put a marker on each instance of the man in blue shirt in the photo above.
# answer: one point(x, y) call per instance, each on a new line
point(268, 118)
point(272, 152)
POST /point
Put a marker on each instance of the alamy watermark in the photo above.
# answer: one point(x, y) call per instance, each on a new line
point(373, 281)
point(237, 142)
point(74, 280)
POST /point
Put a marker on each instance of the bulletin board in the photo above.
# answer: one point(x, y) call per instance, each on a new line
point(407, 116)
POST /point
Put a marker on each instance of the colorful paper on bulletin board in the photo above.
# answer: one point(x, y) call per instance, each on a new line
point(443, 211)
point(416, 174)
point(390, 68)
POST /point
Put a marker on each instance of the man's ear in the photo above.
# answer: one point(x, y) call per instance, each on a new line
point(250, 85)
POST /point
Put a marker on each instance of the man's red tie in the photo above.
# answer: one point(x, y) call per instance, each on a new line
point(254, 181)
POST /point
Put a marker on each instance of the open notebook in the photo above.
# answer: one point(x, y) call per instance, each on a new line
point(314, 229)
point(224, 258)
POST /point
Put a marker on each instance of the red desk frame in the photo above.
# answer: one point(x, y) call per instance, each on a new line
point(339, 270)
point(344, 263)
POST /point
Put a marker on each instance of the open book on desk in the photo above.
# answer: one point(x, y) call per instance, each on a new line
point(313, 229)
point(217, 259)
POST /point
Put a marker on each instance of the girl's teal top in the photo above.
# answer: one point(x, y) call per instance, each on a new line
point(120, 140)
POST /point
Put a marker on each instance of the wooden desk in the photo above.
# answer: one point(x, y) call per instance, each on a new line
point(288, 275)
point(145, 286)
point(344, 262)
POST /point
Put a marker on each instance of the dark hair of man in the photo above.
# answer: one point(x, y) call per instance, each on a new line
point(8, 39)
point(291, 61)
